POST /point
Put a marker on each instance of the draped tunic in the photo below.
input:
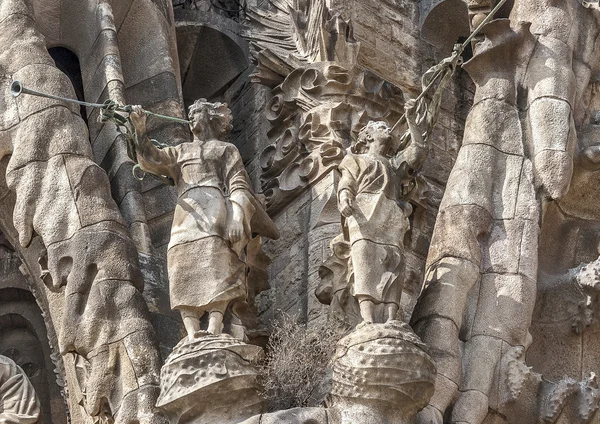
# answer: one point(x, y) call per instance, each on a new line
point(204, 266)
point(18, 401)
point(376, 229)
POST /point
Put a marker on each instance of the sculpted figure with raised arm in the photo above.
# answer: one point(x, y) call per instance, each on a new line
point(216, 215)
point(373, 195)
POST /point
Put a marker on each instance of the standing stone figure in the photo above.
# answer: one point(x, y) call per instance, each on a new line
point(216, 215)
point(375, 210)
point(18, 401)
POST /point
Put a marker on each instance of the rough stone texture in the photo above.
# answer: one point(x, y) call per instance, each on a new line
point(211, 379)
point(296, 416)
point(289, 273)
point(514, 339)
point(27, 339)
point(506, 173)
point(63, 198)
point(381, 374)
point(214, 254)
point(367, 263)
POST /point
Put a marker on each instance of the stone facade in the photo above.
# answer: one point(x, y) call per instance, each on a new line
point(493, 250)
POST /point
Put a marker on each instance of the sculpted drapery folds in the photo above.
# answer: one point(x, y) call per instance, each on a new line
point(18, 401)
point(63, 197)
point(373, 192)
point(216, 217)
point(516, 158)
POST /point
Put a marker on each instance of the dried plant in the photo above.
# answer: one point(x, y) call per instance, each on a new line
point(296, 371)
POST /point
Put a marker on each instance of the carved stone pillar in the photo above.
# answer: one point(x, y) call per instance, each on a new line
point(62, 201)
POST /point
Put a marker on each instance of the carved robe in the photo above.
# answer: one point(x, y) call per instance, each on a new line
point(204, 266)
point(18, 401)
point(375, 231)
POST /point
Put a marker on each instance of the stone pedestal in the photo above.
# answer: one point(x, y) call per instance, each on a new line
point(210, 379)
point(381, 374)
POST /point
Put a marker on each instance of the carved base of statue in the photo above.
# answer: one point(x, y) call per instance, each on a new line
point(381, 374)
point(310, 415)
point(210, 379)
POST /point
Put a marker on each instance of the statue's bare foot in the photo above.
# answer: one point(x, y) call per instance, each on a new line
point(363, 324)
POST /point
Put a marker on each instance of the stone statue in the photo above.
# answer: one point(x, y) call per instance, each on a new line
point(216, 215)
point(373, 201)
point(18, 402)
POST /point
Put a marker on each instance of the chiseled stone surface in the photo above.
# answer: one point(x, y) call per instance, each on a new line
point(212, 378)
point(367, 261)
point(382, 374)
point(63, 197)
point(296, 416)
point(215, 265)
point(504, 211)
point(517, 158)
point(218, 221)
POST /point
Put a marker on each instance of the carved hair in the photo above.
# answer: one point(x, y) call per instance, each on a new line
point(365, 136)
point(216, 110)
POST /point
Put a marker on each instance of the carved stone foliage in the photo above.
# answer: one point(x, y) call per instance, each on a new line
point(321, 99)
point(314, 114)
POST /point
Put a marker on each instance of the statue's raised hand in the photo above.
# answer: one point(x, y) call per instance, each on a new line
point(138, 118)
point(410, 107)
point(345, 203)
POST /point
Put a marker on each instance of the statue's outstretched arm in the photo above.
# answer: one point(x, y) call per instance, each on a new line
point(151, 158)
point(416, 153)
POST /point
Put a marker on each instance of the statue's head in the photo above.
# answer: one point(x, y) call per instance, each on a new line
point(375, 136)
point(213, 117)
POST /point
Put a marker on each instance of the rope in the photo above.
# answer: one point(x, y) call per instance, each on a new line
point(445, 69)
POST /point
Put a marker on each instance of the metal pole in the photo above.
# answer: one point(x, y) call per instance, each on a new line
point(17, 88)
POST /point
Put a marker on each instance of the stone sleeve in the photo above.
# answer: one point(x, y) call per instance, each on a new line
point(157, 161)
point(350, 170)
point(238, 185)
